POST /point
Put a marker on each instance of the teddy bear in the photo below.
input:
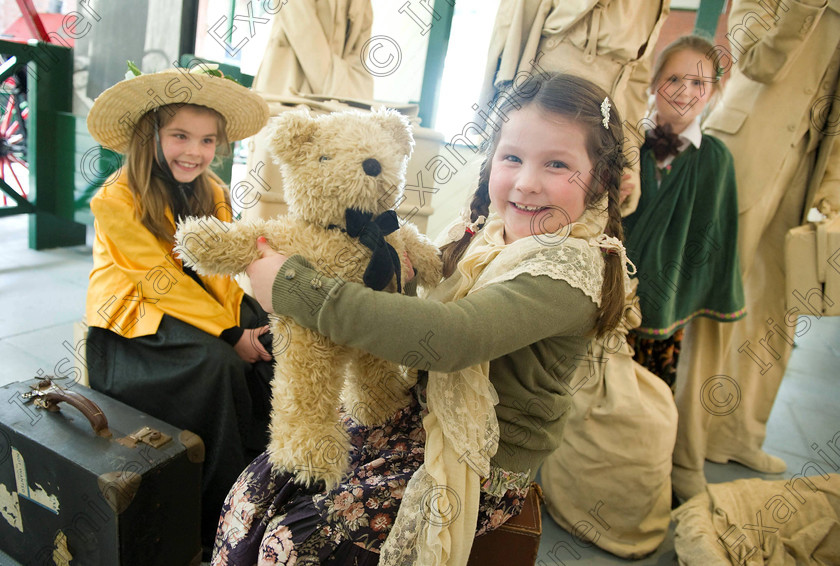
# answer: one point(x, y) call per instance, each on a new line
point(343, 175)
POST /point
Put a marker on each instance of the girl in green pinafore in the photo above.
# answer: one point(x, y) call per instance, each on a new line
point(683, 236)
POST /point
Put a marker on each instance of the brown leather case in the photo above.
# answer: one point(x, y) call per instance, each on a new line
point(517, 541)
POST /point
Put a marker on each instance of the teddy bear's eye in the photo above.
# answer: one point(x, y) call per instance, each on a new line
point(325, 158)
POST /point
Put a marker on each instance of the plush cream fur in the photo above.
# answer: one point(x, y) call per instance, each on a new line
point(321, 160)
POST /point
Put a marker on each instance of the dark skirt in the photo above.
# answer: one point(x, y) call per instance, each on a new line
point(195, 381)
point(268, 519)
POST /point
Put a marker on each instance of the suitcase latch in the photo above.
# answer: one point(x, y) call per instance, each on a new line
point(147, 435)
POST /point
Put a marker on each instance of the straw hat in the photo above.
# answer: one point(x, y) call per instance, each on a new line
point(117, 110)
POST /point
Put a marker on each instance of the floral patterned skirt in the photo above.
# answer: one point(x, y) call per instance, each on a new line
point(269, 519)
point(660, 357)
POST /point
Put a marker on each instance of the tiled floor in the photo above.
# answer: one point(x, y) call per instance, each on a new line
point(43, 293)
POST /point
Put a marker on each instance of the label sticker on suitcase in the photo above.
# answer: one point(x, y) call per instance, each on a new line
point(37, 494)
point(9, 507)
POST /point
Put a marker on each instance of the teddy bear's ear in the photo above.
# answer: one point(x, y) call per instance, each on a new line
point(289, 133)
point(398, 125)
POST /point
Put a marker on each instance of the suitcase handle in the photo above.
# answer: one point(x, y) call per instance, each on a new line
point(49, 395)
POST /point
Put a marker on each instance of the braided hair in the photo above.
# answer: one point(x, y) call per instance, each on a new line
point(578, 100)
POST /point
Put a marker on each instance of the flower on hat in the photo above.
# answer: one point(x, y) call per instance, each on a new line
point(115, 112)
point(133, 70)
point(211, 69)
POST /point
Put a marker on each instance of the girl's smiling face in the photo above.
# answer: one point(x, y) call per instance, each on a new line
point(682, 91)
point(189, 142)
point(539, 173)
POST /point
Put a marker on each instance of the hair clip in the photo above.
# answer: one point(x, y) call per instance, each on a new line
point(719, 73)
point(613, 246)
point(472, 227)
point(605, 112)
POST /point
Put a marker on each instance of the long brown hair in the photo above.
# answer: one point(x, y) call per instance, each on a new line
point(578, 100)
point(151, 197)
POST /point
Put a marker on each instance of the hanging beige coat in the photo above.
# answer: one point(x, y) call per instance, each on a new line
point(609, 42)
point(315, 48)
point(777, 90)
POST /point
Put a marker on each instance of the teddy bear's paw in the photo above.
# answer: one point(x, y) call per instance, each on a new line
point(196, 244)
point(432, 275)
point(424, 256)
point(189, 244)
point(213, 247)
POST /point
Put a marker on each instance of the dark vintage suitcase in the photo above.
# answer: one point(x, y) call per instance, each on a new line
point(88, 481)
point(517, 541)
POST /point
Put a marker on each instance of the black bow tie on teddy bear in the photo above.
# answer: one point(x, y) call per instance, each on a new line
point(384, 262)
point(663, 142)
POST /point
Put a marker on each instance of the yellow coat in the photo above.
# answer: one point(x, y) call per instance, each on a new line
point(135, 278)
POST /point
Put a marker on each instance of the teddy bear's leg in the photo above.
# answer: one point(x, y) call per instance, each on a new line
point(213, 247)
point(375, 389)
point(307, 437)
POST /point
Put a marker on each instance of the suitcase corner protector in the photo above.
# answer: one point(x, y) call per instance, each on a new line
point(119, 488)
point(194, 445)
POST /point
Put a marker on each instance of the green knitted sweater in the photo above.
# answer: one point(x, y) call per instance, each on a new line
point(534, 329)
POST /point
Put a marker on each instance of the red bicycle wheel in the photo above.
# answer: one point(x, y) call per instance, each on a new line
point(14, 169)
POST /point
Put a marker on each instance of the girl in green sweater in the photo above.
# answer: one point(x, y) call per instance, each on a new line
point(532, 274)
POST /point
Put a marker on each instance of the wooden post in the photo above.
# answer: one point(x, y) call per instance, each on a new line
point(51, 148)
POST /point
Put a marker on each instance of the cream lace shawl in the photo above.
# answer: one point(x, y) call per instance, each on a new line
point(435, 525)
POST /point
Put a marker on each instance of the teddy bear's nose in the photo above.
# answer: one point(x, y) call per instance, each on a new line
point(371, 167)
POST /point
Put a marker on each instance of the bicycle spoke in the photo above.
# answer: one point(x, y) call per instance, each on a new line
point(20, 186)
point(3, 177)
point(7, 115)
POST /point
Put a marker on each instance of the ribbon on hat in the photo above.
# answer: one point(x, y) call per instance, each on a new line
point(371, 231)
point(611, 244)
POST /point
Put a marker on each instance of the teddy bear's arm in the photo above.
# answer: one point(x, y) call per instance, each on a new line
point(424, 255)
point(213, 247)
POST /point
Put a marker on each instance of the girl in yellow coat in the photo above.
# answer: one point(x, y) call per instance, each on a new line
point(185, 348)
